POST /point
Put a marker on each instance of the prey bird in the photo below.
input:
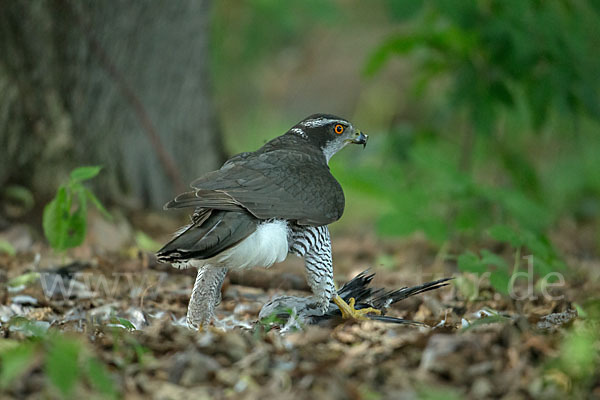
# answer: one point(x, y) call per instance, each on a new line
point(259, 207)
point(356, 292)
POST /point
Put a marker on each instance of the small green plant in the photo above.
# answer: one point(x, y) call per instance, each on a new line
point(6, 247)
point(578, 358)
point(145, 242)
point(267, 323)
point(66, 363)
point(19, 197)
point(437, 393)
point(544, 256)
point(545, 261)
point(487, 261)
point(65, 217)
point(126, 324)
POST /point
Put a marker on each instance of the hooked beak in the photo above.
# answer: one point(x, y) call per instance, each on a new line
point(360, 138)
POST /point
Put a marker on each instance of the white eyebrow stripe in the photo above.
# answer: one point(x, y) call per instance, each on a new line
point(299, 131)
point(313, 123)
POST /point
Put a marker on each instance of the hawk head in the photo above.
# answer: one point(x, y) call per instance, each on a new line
point(328, 132)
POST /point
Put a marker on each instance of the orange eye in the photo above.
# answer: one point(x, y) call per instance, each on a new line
point(339, 129)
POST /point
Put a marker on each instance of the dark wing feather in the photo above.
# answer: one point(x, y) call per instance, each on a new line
point(365, 296)
point(383, 300)
point(282, 183)
point(209, 236)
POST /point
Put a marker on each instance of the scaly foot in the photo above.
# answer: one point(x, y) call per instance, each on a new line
point(349, 312)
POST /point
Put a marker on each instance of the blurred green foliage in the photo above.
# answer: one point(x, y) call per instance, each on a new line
point(498, 52)
point(516, 138)
point(6, 247)
point(498, 135)
point(438, 393)
point(508, 140)
point(65, 217)
point(146, 243)
point(18, 196)
point(267, 323)
point(579, 357)
point(66, 362)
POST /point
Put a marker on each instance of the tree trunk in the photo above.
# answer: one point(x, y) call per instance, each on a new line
point(123, 84)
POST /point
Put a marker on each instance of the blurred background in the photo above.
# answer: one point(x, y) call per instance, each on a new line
point(483, 158)
point(481, 114)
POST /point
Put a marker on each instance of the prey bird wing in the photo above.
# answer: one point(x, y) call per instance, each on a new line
point(274, 183)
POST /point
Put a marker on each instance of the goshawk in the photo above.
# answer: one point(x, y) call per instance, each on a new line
point(259, 207)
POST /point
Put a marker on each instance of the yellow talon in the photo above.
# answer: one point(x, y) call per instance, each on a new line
point(349, 312)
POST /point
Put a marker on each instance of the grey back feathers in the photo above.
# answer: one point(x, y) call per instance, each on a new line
point(288, 178)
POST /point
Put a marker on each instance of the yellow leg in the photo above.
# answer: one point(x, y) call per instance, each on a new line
point(349, 312)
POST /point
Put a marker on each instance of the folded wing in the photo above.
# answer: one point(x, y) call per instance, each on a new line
point(283, 184)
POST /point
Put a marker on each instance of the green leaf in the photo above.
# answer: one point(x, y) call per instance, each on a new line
point(504, 233)
point(62, 228)
point(100, 378)
point(56, 219)
point(470, 262)
point(500, 281)
point(539, 245)
point(15, 361)
point(578, 353)
point(37, 329)
point(489, 258)
point(10, 344)
point(24, 279)
point(483, 115)
point(397, 223)
point(500, 93)
point(84, 173)
point(402, 10)
point(399, 44)
point(521, 169)
point(438, 393)
point(62, 363)
point(530, 213)
point(145, 242)
point(122, 321)
point(92, 197)
point(76, 226)
point(21, 195)
point(435, 229)
point(6, 247)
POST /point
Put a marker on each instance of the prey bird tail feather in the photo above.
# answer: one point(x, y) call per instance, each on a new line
point(386, 299)
point(394, 320)
point(365, 296)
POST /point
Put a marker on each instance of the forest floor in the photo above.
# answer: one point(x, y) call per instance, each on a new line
point(122, 319)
